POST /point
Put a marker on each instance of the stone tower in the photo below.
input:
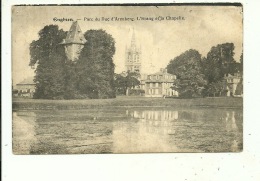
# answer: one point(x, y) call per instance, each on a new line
point(133, 57)
point(74, 42)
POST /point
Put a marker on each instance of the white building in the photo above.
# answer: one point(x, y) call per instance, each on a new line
point(159, 85)
point(26, 88)
point(231, 83)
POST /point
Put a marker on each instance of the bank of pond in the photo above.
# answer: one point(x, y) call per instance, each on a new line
point(124, 101)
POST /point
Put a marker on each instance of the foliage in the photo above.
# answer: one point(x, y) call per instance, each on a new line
point(198, 76)
point(136, 92)
point(187, 68)
point(92, 76)
point(125, 82)
point(50, 59)
point(95, 67)
point(241, 64)
point(215, 89)
point(220, 61)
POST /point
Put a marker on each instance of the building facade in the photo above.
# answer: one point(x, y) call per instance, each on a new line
point(159, 85)
point(74, 42)
point(233, 85)
point(133, 57)
point(26, 88)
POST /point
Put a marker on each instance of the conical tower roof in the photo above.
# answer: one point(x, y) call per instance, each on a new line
point(75, 35)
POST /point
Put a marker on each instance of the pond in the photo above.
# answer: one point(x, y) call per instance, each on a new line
point(127, 130)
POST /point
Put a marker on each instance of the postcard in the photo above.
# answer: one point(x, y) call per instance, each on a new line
point(158, 78)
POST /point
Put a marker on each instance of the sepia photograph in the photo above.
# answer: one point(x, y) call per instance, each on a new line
point(120, 79)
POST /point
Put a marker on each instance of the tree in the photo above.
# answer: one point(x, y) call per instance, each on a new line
point(215, 89)
point(241, 64)
point(50, 59)
point(220, 61)
point(190, 80)
point(239, 89)
point(124, 83)
point(95, 67)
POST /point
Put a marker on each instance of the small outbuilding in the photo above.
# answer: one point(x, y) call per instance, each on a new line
point(26, 88)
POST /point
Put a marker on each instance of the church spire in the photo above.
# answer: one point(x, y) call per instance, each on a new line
point(133, 56)
point(133, 43)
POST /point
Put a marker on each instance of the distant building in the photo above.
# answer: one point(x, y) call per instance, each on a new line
point(26, 88)
point(133, 61)
point(233, 85)
point(133, 57)
point(143, 78)
point(159, 84)
point(74, 42)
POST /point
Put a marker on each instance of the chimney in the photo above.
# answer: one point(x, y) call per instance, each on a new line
point(163, 70)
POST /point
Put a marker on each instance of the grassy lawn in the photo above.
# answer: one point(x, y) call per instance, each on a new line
point(124, 101)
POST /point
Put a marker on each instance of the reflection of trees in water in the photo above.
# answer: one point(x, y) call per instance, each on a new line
point(23, 132)
point(145, 131)
point(194, 129)
point(62, 132)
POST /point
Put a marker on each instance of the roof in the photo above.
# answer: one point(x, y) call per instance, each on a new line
point(229, 76)
point(161, 73)
point(160, 80)
point(27, 81)
point(74, 35)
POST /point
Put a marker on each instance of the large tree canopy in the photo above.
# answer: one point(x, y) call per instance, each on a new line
point(95, 65)
point(190, 80)
point(50, 59)
point(91, 76)
point(198, 76)
point(220, 61)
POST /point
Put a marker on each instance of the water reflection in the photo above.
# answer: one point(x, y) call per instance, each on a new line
point(180, 131)
point(231, 126)
point(149, 134)
point(231, 121)
point(23, 132)
point(127, 131)
point(153, 114)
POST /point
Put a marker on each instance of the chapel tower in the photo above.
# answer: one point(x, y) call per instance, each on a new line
point(133, 57)
point(74, 42)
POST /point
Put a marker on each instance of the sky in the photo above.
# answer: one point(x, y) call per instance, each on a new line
point(200, 28)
